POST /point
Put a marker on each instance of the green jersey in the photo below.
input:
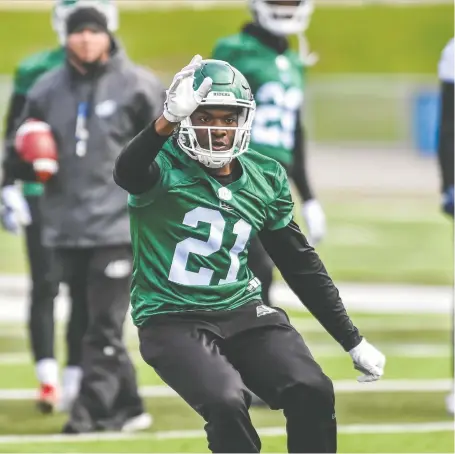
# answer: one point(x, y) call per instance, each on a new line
point(190, 234)
point(27, 73)
point(277, 83)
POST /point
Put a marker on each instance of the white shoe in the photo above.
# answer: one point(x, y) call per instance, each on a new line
point(67, 400)
point(71, 383)
point(137, 423)
point(450, 403)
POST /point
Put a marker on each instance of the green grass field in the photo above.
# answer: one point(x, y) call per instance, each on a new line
point(416, 347)
point(347, 443)
point(371, 39)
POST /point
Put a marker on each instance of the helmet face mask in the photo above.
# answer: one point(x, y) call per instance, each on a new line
point(63, 8)
point(282, 19)
point(230, 90)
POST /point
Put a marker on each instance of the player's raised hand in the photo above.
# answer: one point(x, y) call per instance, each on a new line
point(181, 98)
point(368, 360)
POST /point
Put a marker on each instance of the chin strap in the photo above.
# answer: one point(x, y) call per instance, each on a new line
point(205, 161)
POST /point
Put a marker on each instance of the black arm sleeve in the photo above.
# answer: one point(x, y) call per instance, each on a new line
point(305, 273)
point(298, 169)
point(12, 166)
point(135, 169)
point(446, 132)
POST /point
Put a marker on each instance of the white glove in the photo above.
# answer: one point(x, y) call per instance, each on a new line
point(315, 220)
point(181, 99)
point(15, 212)
point(368, 360)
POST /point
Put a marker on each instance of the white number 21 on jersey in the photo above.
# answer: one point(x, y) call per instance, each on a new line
point(178, 272)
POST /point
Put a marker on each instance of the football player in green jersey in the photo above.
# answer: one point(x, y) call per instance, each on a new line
point(276, 75)
point(22, 210)
point(198, 196)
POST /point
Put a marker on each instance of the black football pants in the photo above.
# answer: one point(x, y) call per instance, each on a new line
point(211, 358)
point(44, 289)
point(99, 280)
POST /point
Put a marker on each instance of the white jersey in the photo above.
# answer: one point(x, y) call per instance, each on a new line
point(446, 63)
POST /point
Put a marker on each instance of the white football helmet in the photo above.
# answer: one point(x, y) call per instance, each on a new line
point(282, 19)
point(63, 8)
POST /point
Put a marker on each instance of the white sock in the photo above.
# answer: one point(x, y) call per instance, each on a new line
point(71, 379)
point(71, 382)
point(47, 371)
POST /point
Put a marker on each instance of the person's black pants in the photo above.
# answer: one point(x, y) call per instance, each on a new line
point(44, 289)
point(211, 358)
point(99, 279)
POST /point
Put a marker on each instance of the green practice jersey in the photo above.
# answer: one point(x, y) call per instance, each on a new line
point(190, 234)
point(277, 84)
point(27, 73)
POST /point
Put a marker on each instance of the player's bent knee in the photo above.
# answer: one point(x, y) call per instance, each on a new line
point(225, 404)
point(316, 397)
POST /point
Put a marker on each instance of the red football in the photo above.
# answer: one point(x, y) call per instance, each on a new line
point(35, 144)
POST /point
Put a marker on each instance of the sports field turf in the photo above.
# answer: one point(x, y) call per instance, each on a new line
point(417, 348)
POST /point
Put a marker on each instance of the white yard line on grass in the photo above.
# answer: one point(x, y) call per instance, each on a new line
point(346, 386)
point(365, 298)
point(391, 350)
point(15, 358)
point(341, 386)
point(320, 351)
point(442, 426)
point(372, 325)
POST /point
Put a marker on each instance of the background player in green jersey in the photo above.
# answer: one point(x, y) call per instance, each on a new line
point(22, 210)
point(197, 198)
point(276, 75)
